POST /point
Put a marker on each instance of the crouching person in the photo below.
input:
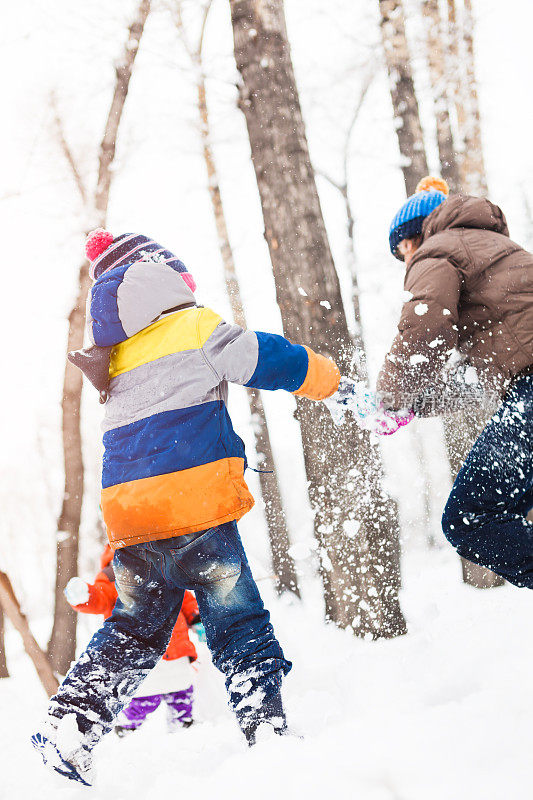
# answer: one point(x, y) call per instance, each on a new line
point(470, 297)
point(170, 682)
point(173, 490)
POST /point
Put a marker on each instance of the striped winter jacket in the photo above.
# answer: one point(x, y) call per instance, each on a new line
point(172, 461)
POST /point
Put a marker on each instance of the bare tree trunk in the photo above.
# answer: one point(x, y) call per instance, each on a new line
point(475, 176)
point(62, 644)
point(282, 562)
point(458, 437)
point(4, 672)
point(456, 83)
point(460, 433)
point(438, 75)
point(355, 523)
point(403, 95)
point(283, 565)
point(11, 607)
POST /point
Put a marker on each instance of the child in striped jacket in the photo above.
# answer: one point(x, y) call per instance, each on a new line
point(173, 489)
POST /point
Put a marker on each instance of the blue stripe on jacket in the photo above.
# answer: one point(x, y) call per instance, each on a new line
point(280, 364)
point(169, 442)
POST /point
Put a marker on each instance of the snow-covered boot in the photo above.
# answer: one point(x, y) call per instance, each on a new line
point(61, 747)
point(271, 715)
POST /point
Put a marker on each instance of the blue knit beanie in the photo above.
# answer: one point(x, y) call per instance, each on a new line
point(407, 224)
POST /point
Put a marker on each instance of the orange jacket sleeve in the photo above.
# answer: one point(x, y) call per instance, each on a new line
point(189, 608)
point(322, 378)
point(102, 597)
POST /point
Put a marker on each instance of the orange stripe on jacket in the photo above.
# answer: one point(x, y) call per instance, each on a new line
point(322, 378)
point(199, 498)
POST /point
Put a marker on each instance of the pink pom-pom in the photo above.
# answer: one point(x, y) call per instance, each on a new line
point(97, 241)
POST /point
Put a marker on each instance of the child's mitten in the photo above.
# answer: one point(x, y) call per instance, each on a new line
point(368, 411)
point(77, 592)
point(351, 396)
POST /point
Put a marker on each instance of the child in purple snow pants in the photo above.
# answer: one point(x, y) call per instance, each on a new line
point(179, 710)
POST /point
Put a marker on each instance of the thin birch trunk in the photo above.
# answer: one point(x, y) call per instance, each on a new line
point(403, 95)
point(475, 176)
point(62, 644)
point(458, 434)
point(4, 672)
point(12, 610)
point(283, 565)
point(355, 523)
point(436, 53)
point(456, 93)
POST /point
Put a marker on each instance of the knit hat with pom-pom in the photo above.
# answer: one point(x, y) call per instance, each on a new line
point(407, 224)
point(106, 251)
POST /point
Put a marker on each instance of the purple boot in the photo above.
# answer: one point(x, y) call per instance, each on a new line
point(179, 708)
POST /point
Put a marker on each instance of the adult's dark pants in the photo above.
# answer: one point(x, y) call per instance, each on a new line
point(151, 579)
point(485, 516)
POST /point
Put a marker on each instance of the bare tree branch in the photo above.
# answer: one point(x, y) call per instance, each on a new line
point(12, 610)
point(66, 150)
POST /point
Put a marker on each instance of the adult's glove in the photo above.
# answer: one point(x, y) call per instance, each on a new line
point(77, 592)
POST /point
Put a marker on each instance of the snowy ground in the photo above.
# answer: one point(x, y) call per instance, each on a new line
point(439, 713)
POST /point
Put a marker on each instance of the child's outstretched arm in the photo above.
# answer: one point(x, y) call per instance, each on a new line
point(190, 608)
point(191, 612)
point(268, 361)
point(91, 598)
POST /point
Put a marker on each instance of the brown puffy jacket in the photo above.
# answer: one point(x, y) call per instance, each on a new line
point(469, 288)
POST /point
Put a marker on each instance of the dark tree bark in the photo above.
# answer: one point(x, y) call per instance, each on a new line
point(459, 434)
point(454, 71)
point(403, 95)
point(355, 523)
point(462, 77)
point(11, 607)
point(278, 534)
point(436, 51)
point(475, 176)
point(62, 644)
point(4, 672)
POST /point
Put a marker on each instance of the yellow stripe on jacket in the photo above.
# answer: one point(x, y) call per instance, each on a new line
point(185, 330)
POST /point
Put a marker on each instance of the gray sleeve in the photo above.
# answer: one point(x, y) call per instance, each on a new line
point(232, 353)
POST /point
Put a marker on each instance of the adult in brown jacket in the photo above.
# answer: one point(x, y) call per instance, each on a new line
point(466, 336)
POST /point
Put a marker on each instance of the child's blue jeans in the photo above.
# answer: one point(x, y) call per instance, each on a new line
point(151, 579)
point(485, 516)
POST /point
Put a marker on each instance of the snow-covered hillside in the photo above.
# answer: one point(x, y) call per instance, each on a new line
point(443, 712)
